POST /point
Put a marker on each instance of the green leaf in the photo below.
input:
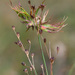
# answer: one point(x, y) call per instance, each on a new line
point(49, 26)
point(37, 12)
point(64, 19)
point(21, 12)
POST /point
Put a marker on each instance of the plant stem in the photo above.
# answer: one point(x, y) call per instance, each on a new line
point(71, 70)
point(45, 46)
point(32, 65)
point(27, 55)
point(51, 66)
point(42, 54)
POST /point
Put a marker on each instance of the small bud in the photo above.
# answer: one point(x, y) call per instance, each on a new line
point(13, 27)
point(25, 70)
point(42, 6)
point(19, 43)
point(33, 7)
point(18, 35)
point(29, 2)
point(32, 55)
point(44, 40)
point(32, 27)
point(57, 49)
point(16, 43)
point(29, 41)
point(10, 2)
point(27, 52)
point(23, 64)
point(52, 60)
point(32, 16)
point(31, 68)
point(40, 31)
point(42, 66)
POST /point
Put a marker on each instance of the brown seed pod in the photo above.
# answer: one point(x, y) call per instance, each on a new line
point(29, 41)
point(18, 35)
point(40, 31)
point(27, 52)
point(57, 49)
point(25, 70)
point(29, 2)
point(52, 60)
point(13, 27)
point(32, 55)
point(44, 40)
point(23, 63)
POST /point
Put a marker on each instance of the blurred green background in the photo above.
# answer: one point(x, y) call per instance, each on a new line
point(11, 55)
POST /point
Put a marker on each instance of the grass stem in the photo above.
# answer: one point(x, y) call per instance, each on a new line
point(42, 54)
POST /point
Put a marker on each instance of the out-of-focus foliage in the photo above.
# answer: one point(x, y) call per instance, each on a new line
point(11, 55)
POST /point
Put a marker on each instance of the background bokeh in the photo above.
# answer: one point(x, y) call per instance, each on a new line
point(11, 55)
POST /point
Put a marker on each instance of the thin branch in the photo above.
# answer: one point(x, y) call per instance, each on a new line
point(42, 54)
point(26, 54)
point(45, 46)
point(49, 51)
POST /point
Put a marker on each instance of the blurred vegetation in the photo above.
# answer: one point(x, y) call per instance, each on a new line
point(11, 55)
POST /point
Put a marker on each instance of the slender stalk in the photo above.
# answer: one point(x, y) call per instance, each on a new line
point(32, 65)
point(42, 54)
point(26, 55)
point(42, 69)
point(71, 69)
point(20, 41)
point(49, 51)
point(27, 73)
point(29, 47)
point(51, 71)
point(45, 46)
point(33, 60)
point(51, 61)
